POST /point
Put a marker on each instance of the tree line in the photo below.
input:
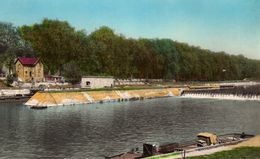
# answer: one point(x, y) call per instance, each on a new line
point(74, 53)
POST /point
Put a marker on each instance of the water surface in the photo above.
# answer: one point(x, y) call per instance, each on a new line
point(91, 131)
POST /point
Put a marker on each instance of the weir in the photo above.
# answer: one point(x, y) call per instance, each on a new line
point(235, 93)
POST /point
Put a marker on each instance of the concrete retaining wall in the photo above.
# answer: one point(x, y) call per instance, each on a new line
point(14, 92)
point(71, 98)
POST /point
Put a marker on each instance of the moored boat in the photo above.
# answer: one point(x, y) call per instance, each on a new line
point(204, 141)
point(38, 107)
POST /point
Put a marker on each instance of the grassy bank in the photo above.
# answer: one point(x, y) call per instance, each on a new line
point(165, 156)
point(238, 153)
point(126, 88)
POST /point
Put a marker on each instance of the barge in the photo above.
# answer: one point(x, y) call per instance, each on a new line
point(204, 141)
point(17, 98)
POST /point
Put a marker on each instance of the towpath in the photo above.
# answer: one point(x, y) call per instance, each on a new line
point(253, 142)
point(200, 153)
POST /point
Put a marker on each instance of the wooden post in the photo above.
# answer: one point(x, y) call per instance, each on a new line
point(184, 154)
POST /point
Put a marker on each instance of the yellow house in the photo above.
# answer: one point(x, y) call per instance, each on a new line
point(29, 69)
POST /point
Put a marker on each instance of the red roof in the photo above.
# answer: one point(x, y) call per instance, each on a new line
point(28, 60)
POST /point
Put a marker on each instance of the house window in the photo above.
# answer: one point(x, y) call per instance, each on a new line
point(25, 72)
point(30, 74)
point(88, 83)
point(19, 66)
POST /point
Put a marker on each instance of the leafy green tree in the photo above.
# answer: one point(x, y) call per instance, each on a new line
point(104, 52)
point(56, 42)
point(103, 43)
point(12, 45)
point(71, 72)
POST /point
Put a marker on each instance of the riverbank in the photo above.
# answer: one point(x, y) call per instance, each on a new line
point(238, 153)
point(247, 149)
point(14, 99)
point(47, 99)
point(14, 92)
point(80, 96)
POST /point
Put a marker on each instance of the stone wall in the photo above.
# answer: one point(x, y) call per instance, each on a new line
point(14, 92)
point(96, 82)
point(71, 98)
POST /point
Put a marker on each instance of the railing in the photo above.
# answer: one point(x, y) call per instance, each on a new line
point(215, 146)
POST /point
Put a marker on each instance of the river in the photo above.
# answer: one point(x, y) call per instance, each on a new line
point(91, 131)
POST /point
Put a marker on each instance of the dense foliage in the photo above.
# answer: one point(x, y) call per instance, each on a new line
point(12, 45)
point(103, 52)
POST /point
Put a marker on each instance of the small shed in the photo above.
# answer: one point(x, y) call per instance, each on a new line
point(97, 81)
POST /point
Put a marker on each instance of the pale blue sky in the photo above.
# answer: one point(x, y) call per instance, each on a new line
point(220, 25)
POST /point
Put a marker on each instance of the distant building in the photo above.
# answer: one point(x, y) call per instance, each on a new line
point(97, 81)
point(29, 69)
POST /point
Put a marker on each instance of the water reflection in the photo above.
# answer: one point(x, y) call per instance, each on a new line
point(90, 131)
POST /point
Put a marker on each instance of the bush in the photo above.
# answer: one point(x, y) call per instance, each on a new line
point(10, 79)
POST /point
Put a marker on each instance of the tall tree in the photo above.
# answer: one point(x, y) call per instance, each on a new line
point(56, 42)
point(12, 45)
point(104, 52)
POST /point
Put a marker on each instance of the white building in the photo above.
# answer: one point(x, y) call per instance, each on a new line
point(97, 81)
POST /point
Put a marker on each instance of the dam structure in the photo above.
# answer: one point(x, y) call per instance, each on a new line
point(61, 98)
point(232, 93)
point(48, 99)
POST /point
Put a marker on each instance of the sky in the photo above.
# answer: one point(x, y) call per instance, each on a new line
point(232, 26)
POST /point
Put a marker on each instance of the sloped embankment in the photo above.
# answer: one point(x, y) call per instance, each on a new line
point(43, 99)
